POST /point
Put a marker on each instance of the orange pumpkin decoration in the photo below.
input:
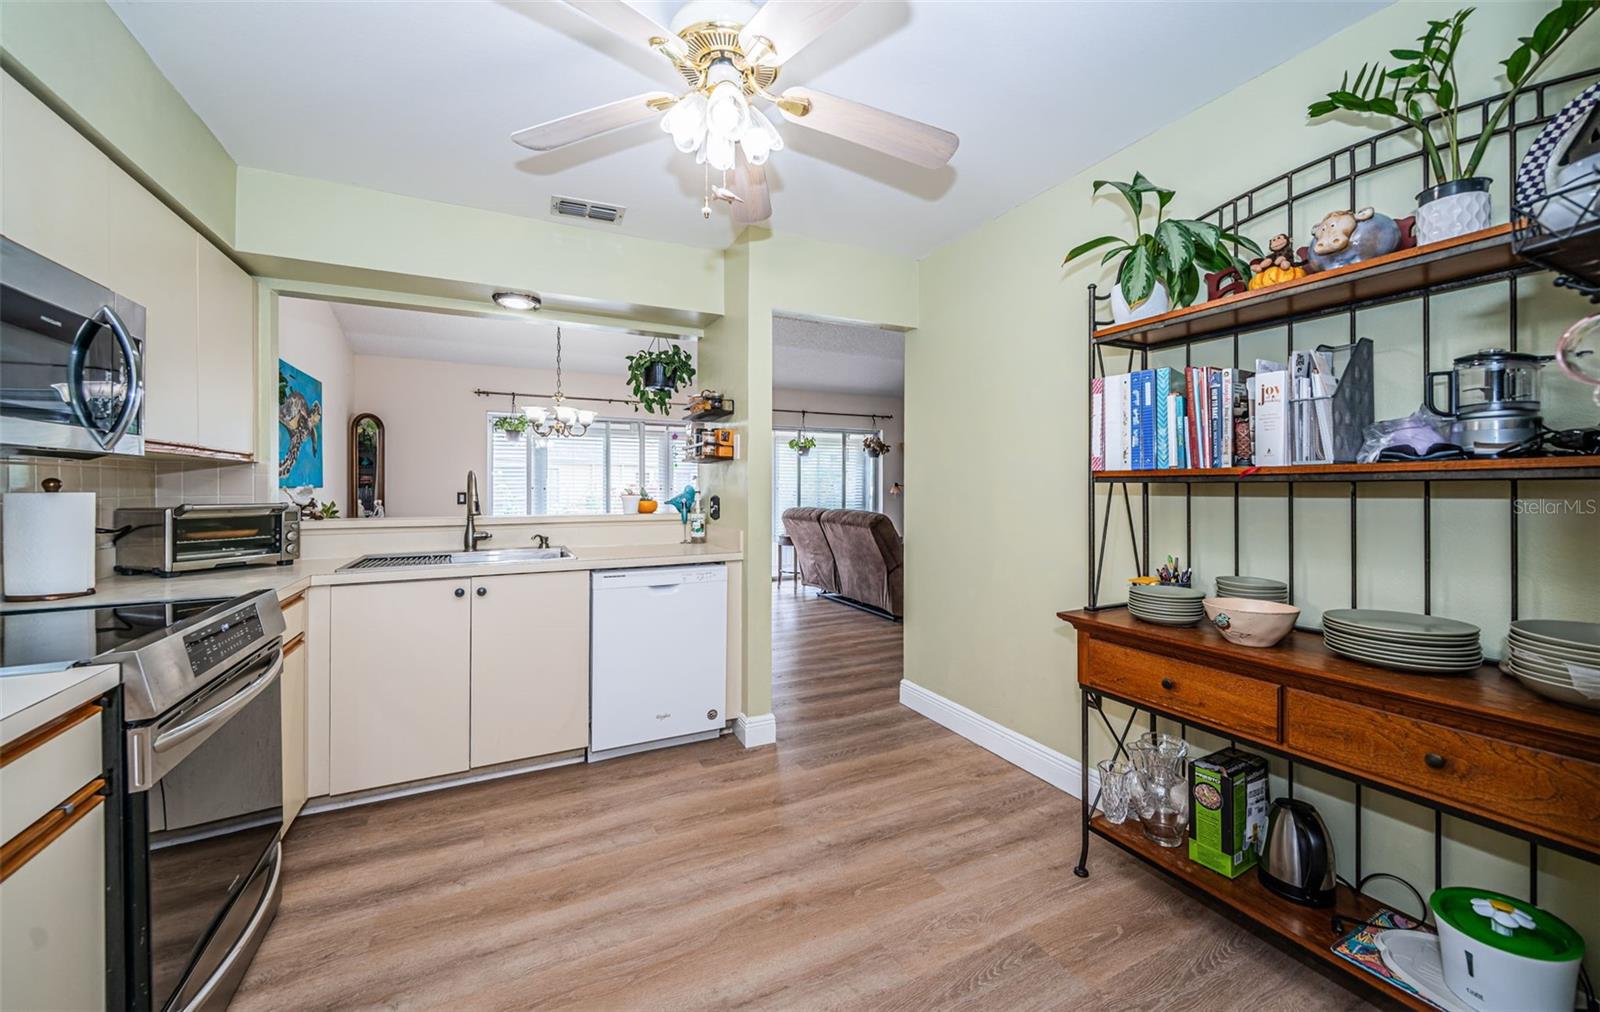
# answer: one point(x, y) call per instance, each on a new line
point(647, 505)
point(1276, 276)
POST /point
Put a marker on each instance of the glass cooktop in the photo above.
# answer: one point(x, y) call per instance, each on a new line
point(56, 638)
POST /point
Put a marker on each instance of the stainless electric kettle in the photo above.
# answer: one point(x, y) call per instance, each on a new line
point(1297, 859)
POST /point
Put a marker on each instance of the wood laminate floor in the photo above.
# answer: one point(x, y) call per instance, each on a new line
point(871, 860)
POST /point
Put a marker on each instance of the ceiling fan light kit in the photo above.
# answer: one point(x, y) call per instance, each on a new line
point(729, 53)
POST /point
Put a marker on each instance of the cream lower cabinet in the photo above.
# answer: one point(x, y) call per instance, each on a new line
point(294, 729)
point(530, 665)
point(400, 688)
point(52, 922)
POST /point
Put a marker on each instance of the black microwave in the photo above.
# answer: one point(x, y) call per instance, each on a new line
point(73, 384)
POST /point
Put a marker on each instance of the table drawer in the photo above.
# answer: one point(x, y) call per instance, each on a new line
point(294, 616)
point(44, 767)
point(1553, 795)
point(1223, 700)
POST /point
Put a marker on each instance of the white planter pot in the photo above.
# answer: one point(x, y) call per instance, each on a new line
point(1454, 208)
point(1155, 305)
point(630, 504)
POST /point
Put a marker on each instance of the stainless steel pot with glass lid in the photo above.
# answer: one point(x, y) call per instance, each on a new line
point(1493, 399)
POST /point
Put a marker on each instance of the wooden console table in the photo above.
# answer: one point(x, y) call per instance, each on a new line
point(1480, 746)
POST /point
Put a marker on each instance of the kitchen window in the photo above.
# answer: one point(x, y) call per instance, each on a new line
point(565, 476)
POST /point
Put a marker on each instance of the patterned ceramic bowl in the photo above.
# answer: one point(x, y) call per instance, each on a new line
point(1251, 623)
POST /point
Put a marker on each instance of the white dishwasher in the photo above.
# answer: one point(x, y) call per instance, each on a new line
point(658, 657)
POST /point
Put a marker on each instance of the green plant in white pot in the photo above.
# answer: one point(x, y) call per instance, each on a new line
point(1161, 268)
point(1422, 93)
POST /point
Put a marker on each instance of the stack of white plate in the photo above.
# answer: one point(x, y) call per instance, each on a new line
point(1256, 588)
point(1403, 640)
point(1556, 659)
point(1165, 604)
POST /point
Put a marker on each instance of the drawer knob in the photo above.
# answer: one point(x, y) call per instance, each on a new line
point(1434, 760)
point(482, 591)
point(1168, 684)
point(461, 592)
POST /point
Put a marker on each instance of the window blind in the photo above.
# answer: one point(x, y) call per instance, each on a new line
point(529, 476)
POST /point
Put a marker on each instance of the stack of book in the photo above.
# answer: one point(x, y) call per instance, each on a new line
point(1208, 416)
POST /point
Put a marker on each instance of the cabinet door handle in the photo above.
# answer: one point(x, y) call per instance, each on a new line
point(1168, 684)
point(482, 591)
point(1434, 760)
point(461, 592)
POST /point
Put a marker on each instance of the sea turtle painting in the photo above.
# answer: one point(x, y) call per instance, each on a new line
point(300, 428)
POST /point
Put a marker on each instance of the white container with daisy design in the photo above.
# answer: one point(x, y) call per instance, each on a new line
point(1502, 954)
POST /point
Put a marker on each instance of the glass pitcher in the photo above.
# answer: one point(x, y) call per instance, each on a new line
point(1161, 766)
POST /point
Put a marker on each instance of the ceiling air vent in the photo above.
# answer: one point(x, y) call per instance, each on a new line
point(571, 207)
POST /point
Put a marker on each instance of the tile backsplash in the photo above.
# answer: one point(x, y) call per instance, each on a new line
point(127, 481)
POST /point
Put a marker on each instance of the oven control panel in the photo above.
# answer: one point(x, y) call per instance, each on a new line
point(222, 639)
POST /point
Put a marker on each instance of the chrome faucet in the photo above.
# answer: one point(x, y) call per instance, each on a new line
point(471, 537)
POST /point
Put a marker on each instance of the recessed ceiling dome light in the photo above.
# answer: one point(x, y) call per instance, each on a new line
point(517, 300)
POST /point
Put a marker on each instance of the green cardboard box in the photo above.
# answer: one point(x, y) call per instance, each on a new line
point(1228, 810)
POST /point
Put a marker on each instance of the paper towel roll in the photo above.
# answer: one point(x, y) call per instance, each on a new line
point(48, 543)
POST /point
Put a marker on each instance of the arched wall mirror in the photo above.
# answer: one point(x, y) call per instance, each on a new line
point(366, 464)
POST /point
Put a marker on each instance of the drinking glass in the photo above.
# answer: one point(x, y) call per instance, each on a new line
point(1161, 770)
point(1117, 787)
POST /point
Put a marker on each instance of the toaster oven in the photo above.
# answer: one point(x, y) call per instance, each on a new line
point(184, 539)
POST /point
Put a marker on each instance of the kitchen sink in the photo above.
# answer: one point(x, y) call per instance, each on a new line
point(409, 560)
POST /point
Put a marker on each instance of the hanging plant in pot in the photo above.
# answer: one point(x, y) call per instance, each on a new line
point(873, 446)
point(657, 373)
point(1421, 92)
point(512, 425)
point(802, 444)
point(1160, 269)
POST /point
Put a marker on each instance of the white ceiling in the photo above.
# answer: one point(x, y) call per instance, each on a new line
point(482, 340)
point(837, 358)
point(420, 98)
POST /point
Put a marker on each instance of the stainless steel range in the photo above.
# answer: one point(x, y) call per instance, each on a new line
point(204, 800)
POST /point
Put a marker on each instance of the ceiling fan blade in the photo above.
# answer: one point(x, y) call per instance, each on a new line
point(906, 139)
point(750, 183)
point(601, 119)
point(627, 21)
point(789, 26)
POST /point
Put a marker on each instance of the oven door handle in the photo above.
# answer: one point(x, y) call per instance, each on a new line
point(173, 737)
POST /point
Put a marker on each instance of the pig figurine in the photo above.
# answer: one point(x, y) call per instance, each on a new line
point(1347, 237)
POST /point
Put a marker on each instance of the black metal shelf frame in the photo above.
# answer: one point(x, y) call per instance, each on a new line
point(1345, 166)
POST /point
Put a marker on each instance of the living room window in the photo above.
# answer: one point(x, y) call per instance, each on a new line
point(529, 476)
point(834, 474)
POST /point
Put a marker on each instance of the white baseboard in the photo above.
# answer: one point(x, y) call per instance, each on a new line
point(753, 732)
point(1057, 769)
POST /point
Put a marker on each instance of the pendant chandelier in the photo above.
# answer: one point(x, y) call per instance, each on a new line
point(558, 419)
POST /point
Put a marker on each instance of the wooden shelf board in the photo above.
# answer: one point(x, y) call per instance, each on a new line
point(1452, 261)
point(1310, 928)
point(1458, 700)
point(1477, 469)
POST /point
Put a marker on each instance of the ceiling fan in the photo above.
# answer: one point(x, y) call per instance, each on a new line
point(730, 53)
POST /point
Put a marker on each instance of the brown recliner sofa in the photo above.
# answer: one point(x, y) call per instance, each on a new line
point(853, 554)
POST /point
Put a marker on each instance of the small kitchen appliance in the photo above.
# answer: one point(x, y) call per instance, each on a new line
point(1493, 400)
point(1501, 954)
point(1297, 860)
point(168, 540)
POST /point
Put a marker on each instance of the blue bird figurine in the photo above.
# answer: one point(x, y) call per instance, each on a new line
point(683, 501)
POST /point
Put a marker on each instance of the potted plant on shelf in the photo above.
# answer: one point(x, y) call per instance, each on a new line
point(630, 499)
point(512, 425)
point(1160, 268)
point(1421, 92)
point(657, 373)
point(802, 444)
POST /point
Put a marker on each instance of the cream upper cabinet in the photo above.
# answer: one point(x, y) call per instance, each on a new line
point(293, 682)
point(54, 185)
point(530, 665)
point(226, 361)
point(154, 263)
point(399, 698)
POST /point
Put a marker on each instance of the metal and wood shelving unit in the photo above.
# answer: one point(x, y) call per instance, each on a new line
point(1443, 734)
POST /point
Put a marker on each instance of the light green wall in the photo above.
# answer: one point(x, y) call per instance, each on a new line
point(767, 273)
point(1003, 325)
point(84, 62)
point(333, 225)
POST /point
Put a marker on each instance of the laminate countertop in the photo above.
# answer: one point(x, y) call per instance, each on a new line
point(111, 591)
point(38, 697)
